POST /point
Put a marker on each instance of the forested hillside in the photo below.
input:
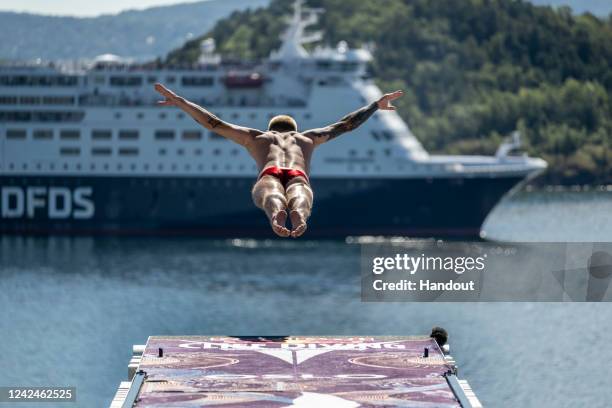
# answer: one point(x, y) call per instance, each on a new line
point(474, 70)
point(139, 34)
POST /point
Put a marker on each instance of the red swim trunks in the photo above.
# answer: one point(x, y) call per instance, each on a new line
point(284, 174)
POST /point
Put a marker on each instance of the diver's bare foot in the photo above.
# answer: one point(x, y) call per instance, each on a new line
point(298, 222)
point(278, 224)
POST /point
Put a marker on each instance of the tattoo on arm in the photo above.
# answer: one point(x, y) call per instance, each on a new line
point(346, 124)
point(213, 121)
point(238, 134)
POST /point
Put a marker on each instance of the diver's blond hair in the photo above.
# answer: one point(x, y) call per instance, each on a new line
point(284, 123)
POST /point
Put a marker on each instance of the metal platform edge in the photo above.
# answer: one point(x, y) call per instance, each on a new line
point(126, 394)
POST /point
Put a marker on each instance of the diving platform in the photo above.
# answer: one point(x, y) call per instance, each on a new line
point(293, 371)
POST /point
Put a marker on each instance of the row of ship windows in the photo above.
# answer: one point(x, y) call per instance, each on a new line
point(131, 167)
point(41, 116)
point(66, 80)
point(71, 116)
point(134, 151)
point(158, 167)
point(134, 134)
point(138, 80)
point(36, 100)
point(105, 134)
point(234, 115)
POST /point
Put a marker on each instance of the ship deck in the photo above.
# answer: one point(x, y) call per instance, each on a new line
point(292, 371)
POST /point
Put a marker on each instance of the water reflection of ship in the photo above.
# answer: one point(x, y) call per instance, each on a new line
point(85, 149)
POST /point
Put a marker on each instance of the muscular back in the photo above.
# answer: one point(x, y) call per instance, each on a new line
point(282, 149)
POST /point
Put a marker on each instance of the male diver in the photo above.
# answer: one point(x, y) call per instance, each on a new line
point(282, 155)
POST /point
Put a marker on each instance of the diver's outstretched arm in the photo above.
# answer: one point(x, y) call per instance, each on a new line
point(352, 120)
point(239, 134)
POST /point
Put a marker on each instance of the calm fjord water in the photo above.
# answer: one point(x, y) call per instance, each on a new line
point(70, 308)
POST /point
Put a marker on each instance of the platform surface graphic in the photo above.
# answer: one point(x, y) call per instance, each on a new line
point(304, 372)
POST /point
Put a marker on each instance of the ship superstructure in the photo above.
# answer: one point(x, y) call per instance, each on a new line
point(84, 148)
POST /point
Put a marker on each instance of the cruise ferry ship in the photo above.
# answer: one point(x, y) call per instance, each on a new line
point(84, 149)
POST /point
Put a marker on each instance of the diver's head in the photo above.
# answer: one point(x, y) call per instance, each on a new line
point(282, 123)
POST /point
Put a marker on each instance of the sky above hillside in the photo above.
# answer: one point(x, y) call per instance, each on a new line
point(96, 7)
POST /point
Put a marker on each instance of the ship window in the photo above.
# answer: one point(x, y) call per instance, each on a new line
point(197, 81)
point(171, 79)
point(387, 135)
point(164, 134)
point(140, 115)
point(235, 152)
point(323, 64)
point(101, 151)
point(217, 152)
point(198, 152)
point(253, 115)
point(235, 115)
point(29, 100)
point(101, 134)
point(117, 115)
point(214, 136)
point(58, 100)
point(16, 134)
point(125, 81)
point(352, 152)
point(69, 134)
point(151, 79)
point(375, 135)
point(128, 151)
point(8, 100)
point(387, 152)
point(192, 135)
point(180, 115)
point(162, 152)
point(99, 79)
point(180, 152)
point(128, 134)
point(162, 115)
point(43, 134)
point(70, 151)
point(348, 66)
point(371, 153)
point(307, 116)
